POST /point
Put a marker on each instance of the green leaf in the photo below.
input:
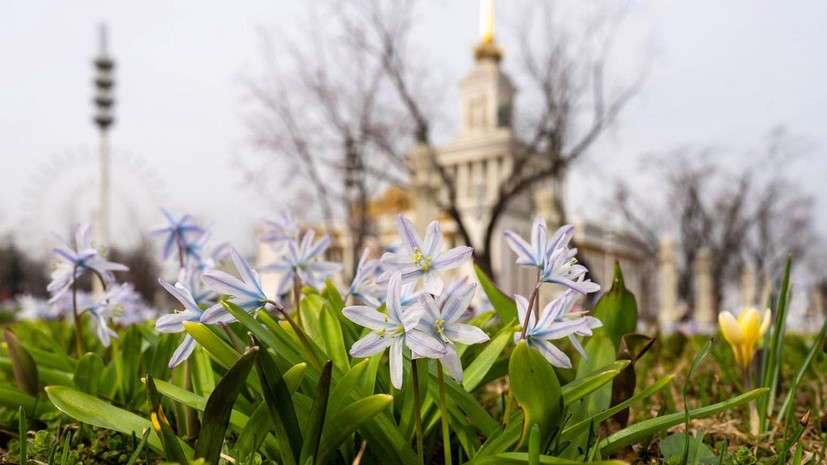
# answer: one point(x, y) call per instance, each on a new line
point(799, 376)
point(345, 385)
point(280, 405)
point(91, 410)
point(634, 433)
point(21, 433)
point(617, 310)
point(190, 399)
point(537, 391)
point(315, 421)
point(12, 398)
point(673, 445)
point(345, 422)
point(475, 372)
point(520, 458)
point(504, 305)
point(504, 438)
point(203, 378)
point(333, 341)
point(582, 426)
point(584, 385)
point(218, 348)
point(23, 367)
point(601, 353)
point(773, 372)
point(220, 405)
point(534, 446)
point(137, 453)
point(170, 442)
point(88, 373)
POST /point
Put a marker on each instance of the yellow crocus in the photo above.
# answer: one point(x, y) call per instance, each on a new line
point(744, 332)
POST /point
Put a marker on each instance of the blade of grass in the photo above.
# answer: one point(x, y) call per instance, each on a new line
point(315, 421)
point(634, 433)
point(220, 405)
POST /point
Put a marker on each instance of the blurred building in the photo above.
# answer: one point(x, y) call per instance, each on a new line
point(479, 158)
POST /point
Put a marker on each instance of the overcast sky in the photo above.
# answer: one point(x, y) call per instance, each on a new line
point(723, 73)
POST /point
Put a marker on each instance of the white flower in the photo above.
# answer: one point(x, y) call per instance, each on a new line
point(396, 329)
point(441, 318)
point(422, 258)
point(556, 322)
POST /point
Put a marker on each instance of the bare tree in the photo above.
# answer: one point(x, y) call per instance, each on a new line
point(750, 215)
point(565, 72)
point(322, 107)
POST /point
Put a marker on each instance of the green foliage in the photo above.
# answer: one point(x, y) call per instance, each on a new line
point(537, 391)
point(504, 305)
point(617, 309)
point(293, 409)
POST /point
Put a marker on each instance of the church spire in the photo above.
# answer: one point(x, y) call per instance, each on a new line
point(486, 48)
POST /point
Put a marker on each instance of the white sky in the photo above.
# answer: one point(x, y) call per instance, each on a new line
point(723, 74)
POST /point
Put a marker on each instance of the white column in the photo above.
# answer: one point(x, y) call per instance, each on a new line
point(668, 284)
point(704, 313)
point(748, 288)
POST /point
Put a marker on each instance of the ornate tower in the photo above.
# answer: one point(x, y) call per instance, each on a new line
point(479, 158)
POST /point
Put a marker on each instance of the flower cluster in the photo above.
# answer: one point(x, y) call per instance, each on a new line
point(201, 285)
point(555, 263)
point(426, 322)
point(120, 303)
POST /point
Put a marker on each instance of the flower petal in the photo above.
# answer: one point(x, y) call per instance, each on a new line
point(396, 360)
point(367, 317)
point(425, 344)
point(451, 259)
point(225, 283)
point(174, 322)
point(433, 240)
point(520, 247)
point(407, 232)
point(433, 283)
point(216, 314)
point(452, 363)
point(183, 351)
point(554, 355)
point(458, 303)
point(465, 334)
point(369, 345)
point(730, 328)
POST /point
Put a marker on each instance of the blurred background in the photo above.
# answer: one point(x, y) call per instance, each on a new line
point(687, 141)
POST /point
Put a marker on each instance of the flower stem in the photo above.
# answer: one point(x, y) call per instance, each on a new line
point(229, 335)
point(509, 401)
point(297, 299)
point(78, 330)
point(531, 300)
point(180, 242)
point(420, 450)
point(446, 429)
point(299, 333)
point(537, 297)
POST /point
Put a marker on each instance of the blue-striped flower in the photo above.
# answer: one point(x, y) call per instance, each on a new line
point(306, 262)
point(281, 229)
point(561, 267)
point(72, 263)
point(174, 322)
point(178, 233)
point(396, 329)
point(441, 319)
point(245, 292)
point(364, 285)
point(556, 322)
point(420, 258)
point(111, 304)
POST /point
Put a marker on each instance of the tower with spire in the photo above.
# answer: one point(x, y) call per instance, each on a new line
point(480, 157)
